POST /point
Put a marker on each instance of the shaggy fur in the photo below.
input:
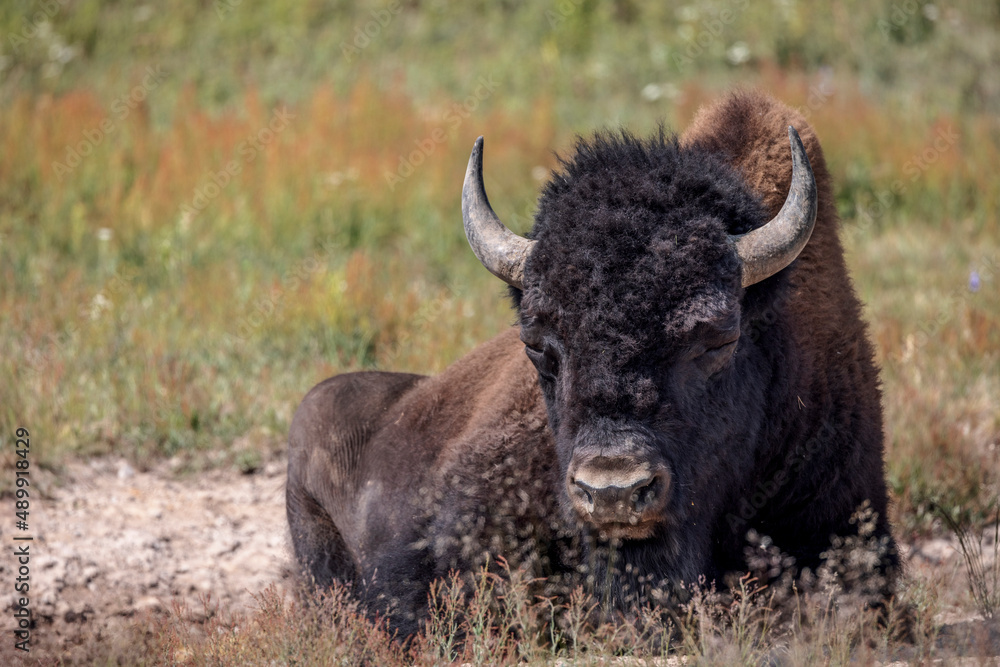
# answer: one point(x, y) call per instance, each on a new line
point(632, 286)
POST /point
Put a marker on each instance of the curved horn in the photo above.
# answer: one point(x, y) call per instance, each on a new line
point(766, 250)
point(500, 250)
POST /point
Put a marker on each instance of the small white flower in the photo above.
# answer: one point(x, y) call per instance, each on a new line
point(98, 305)
point(688, 13)
point(651, 92)
point(738, 53)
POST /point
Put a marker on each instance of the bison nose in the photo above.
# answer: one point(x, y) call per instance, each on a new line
point(616, 501)
point(622, 496)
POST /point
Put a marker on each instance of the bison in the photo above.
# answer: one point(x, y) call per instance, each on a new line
point(689, 367)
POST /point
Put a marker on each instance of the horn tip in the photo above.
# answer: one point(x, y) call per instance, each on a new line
point(476, 158)
point(474, 171)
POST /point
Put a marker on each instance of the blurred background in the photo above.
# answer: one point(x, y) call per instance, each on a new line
point(207, 207)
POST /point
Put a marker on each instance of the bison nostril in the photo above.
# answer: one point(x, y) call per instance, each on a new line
point(643, 495)
point(588, 496)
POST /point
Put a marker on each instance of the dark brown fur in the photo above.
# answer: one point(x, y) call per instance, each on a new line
point(395, 479)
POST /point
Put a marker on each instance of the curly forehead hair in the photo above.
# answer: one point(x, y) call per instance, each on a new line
point(632, 231)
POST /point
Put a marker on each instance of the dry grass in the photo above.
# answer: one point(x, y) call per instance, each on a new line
point(499, 624)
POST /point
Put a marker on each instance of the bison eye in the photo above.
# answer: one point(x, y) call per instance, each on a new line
point(713, 360)
point(545, 361)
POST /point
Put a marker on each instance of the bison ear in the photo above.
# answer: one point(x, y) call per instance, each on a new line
point(500, 250)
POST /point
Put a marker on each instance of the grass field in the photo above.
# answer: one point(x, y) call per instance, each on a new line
point(207, 207)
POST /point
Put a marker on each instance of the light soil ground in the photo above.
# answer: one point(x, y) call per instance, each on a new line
point(112, 544)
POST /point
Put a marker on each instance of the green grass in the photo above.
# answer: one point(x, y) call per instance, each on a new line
point(591, 58)
point(144, 316)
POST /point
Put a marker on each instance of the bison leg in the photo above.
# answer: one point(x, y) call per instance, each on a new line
point(320, 552)
point(328, 436)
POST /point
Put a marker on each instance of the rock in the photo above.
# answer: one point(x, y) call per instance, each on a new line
point(224, 547)
point(89, 573)
point(973, 637)
point(199, 614)
point(148, 604)
point(936, 551)
point(79, 615)
point(125, 471)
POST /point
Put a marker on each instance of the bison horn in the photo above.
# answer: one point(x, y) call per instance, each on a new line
point(500, 250)
point(766, 250)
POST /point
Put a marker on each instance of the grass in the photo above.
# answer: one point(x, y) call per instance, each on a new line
point(204, 209)
point(494, 621)
point(981, 566)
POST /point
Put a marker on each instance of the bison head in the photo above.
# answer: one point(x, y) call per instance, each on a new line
point(632, 290)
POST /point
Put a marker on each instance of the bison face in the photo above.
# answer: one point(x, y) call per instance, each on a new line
point(630, 291)
point(635, 377)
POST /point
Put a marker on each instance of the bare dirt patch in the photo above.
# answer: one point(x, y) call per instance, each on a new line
point(112, 543)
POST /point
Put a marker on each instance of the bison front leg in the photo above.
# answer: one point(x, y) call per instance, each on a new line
point(327, 445)
point(396, 589)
